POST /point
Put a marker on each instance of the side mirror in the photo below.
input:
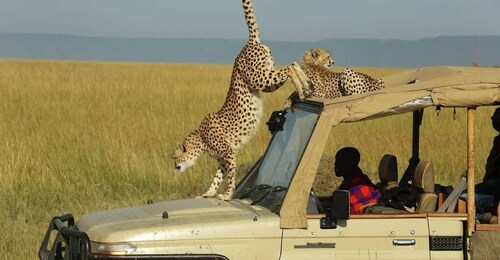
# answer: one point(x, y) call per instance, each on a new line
point(339, 210)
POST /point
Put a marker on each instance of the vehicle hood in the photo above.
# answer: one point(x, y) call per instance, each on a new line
point(178, 220)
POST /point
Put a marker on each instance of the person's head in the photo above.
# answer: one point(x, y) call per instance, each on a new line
point(495, 119)
point(346, 161)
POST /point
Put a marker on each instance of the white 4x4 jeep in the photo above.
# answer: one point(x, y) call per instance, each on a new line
point(274, 214)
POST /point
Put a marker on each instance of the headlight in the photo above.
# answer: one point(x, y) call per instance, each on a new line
point(112, 248)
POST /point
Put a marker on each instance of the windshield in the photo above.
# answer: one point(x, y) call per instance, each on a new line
point(276, 168)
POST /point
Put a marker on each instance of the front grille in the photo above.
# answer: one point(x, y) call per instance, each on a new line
point(446, 243)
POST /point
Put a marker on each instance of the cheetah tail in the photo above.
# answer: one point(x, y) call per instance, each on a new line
point(253, 28)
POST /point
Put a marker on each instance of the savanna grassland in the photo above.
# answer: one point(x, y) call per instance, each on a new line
point(82, 136)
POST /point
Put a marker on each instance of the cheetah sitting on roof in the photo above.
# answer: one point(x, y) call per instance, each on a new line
point(353, 82)
point(325, 83)
point(224, 132)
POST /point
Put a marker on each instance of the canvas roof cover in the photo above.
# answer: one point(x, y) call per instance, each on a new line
point(403, 92)
point(419, 88)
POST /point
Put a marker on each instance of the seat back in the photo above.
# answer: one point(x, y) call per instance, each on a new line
point(424, 179)
point(387, 172)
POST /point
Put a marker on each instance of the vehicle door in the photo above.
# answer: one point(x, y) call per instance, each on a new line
point(361, 237)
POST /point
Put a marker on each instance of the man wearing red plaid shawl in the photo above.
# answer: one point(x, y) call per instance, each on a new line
point(362, 190)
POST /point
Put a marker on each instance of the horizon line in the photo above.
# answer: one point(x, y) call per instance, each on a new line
point(236, 39)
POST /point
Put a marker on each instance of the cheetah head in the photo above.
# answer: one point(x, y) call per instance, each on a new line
point(187, 151)
point(379, 84)
point(319, 57)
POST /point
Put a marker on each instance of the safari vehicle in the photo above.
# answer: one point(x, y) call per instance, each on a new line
point(274, 214)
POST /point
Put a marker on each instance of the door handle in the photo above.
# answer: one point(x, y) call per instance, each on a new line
point(403, 242)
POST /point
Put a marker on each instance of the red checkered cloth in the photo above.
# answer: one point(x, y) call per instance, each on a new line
point(362, 191)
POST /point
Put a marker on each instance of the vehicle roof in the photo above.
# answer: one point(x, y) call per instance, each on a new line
point(404, 92)
point(419, 88)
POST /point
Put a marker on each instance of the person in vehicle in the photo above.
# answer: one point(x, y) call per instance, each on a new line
point(362, 190)
point(491, 173)
point(487, 193)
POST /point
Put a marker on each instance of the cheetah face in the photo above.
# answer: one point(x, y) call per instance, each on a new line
point(187, 152)
point(380, 84)
point(319, 57)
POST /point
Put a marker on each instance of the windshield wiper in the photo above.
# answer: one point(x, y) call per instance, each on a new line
point(273, 199)
point(257, 192)
point(268, 190)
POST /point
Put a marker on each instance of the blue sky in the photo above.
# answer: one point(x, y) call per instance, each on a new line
point(287, 20)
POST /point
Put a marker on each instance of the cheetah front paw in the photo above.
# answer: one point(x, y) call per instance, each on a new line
point(225, 196)
point(300, 80)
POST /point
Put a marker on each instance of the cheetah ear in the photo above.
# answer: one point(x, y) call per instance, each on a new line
point(181, 147)
point(314, 54)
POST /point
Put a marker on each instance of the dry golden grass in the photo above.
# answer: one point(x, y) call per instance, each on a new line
point(81, 136)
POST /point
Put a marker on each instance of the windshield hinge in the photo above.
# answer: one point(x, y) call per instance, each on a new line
point(276, 121)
